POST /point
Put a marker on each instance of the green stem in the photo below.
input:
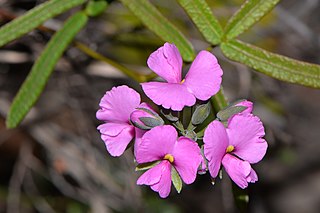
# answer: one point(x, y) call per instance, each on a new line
point(130, 73)
point(219, 101)
point(186, 117)
point(240, 197)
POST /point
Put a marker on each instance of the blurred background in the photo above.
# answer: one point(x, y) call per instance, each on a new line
point(55, 160)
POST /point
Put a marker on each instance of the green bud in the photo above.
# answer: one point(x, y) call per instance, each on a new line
point(145, 119)
point(201, 113)
point(228, 112)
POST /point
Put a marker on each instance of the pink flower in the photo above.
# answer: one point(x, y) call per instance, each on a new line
point(202, 81)
point(116, 107)
point(235, 147)
point(162, 144)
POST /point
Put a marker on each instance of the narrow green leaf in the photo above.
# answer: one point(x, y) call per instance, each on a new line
point(146, 166)
point(33, 18)
point(250, 12)
point(201, 14)
point(96, 7)
point(274, 65)
point(176, 180)
point(43, 67)
point(161, 26)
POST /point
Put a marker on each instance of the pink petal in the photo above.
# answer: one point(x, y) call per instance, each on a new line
point(237, 169)
point(215, 144)
point(156, 143)
point(204, 76)
point(138, 137)
point(167, 63)
point(152, 176)
point(247, 104)
point(117, 104)
point(252, 177)
point(174, 96)
point(187, 158)
point(245, 132)
point(163, 187)
point(112, 129)
point(116, 145)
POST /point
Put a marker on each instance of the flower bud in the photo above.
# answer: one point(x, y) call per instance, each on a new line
point(242, 106)
point(201, 113)
point(145, 118)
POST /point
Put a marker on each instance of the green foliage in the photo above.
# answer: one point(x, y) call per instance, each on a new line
point(33, 18)
point(161, 26)
point(96, 8)
point(274, 65)
point(249, 14)
point(176, 180)
point(201, 14)
point(146, 166)
point(42, 69)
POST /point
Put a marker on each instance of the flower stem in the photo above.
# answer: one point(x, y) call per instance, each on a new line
point(130, 73)
point(219, 101)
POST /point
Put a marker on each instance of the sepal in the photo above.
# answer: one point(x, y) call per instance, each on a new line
point(176, 179)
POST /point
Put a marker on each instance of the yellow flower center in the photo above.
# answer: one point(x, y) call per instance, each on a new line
point(169, 157)
point(183, 80)
point(230, 148)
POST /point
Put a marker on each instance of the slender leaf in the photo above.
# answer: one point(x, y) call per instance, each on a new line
point(96, 8)
point(274, 65)
point(43, 67)
point(161, 26)
point(35, 17)
point(146, 166)
point(249, 13)
point(176, 180)
point(201, 14)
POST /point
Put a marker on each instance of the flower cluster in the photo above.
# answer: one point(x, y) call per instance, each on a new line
point(177, 152)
